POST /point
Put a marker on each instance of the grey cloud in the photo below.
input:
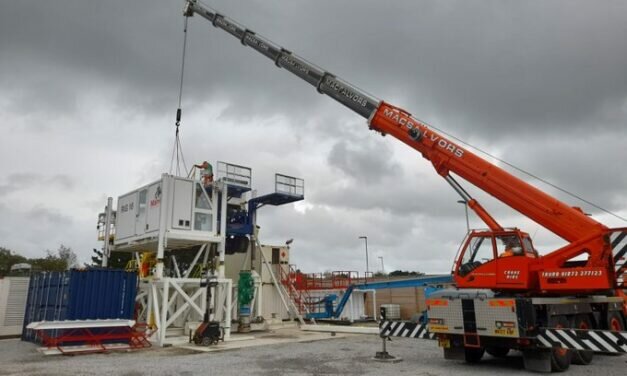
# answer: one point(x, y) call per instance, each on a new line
point(367, 162)
point(98, 42)
point(586, 166)
point(501, 69)
point(51, 227)
point(62, 181)
point(405, 242)
point(44, 216)
point(20, 181)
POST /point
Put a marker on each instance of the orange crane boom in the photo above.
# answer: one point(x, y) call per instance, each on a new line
point(553, 272)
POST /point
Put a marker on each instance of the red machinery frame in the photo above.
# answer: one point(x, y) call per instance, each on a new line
point(97, 340)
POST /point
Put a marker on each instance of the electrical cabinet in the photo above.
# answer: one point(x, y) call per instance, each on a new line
point(278, 257)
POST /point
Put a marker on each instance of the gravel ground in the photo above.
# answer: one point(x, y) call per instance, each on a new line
point(336, 356)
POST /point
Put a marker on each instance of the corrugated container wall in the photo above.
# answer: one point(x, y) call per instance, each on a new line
point(13, 292)
point(80, 294)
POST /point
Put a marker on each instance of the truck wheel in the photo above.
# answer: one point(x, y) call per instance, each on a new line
point(583, 357)
point(206, 341)
point(473, 355)
point(497, 352)
point(615, 321)
point(560, 357)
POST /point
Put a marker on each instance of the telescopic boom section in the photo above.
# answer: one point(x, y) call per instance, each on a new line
point(446, 156)
point(324, 82)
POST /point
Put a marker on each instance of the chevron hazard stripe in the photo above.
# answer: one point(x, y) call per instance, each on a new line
point(596, 340)
point(404, 329)
point(618, 241)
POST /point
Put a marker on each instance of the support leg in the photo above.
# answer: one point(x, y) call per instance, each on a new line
point(384, 355)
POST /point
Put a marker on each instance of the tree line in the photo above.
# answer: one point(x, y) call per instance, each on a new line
point(62, 259)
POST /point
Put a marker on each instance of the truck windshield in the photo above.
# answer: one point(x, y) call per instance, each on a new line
point(479, 249)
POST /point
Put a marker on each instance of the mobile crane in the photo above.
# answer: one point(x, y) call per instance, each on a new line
point(500, 303)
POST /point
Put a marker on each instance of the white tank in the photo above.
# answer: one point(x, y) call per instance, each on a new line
point(392, 311)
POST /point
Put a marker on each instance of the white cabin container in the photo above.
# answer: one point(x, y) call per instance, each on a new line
point(178, 208)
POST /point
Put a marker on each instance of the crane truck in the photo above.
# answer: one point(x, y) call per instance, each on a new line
point(556, 307)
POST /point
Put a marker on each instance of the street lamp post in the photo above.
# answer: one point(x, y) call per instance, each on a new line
point(466, 210)
point(367, 269)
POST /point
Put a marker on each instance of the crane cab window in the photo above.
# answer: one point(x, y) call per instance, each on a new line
point(509, 245)
point(479, 251)
point(529, 250)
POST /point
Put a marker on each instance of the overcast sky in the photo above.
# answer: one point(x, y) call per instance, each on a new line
point(88, 94)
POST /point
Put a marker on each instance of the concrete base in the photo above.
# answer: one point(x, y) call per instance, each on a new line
point(282, 325)
point(237, 341)
point(341, 329)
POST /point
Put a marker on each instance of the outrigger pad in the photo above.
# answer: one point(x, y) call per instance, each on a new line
point(385, 357)
point(537, 360)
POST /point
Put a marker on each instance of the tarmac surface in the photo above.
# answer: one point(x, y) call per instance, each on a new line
point(333, 355)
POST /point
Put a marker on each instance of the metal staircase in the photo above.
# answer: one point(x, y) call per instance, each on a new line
point(289, 280)
point(284, 292)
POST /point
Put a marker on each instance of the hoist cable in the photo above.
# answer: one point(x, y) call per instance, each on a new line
point(177, 152)
point(182, 158)
point(183, 63)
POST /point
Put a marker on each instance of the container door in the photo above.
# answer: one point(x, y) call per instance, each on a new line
point(203, 216)
point(182, 204)
point(126, 216)
point(140, 219)
point(153, 213)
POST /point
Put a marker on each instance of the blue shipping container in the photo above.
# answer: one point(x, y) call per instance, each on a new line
point(79, 294)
